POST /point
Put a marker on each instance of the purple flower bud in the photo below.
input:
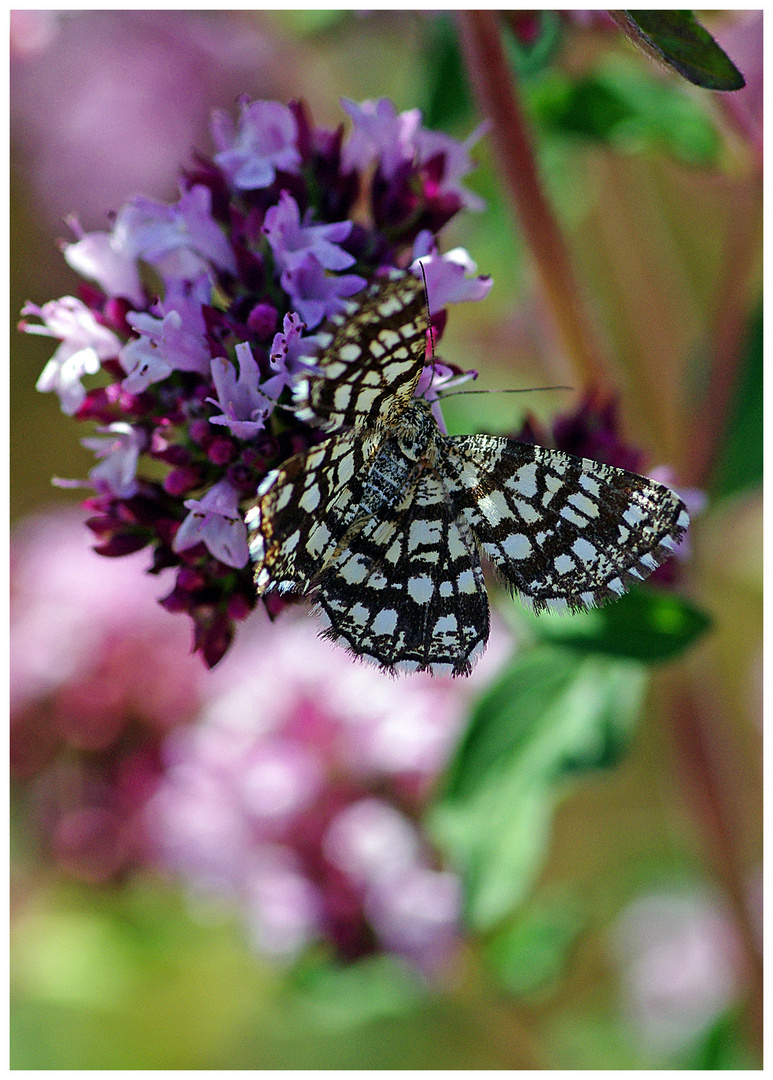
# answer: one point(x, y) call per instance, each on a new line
point(221, 451)
point(189, 579)
point(238, 607)
point(182, 480)
point(199, 431)
point(262, 320)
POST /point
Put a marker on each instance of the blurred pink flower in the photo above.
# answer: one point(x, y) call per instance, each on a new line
point(680, 962)
point(107, 103)
point(98, 674)
point(296, 796)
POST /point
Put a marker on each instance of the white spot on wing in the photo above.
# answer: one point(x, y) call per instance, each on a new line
point(420, 589)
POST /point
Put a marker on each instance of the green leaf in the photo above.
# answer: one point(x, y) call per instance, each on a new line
point(447, 98)
point(646, 624)
point(723, 1047)
point(554, 712)
point(620, 105)
point(372, 988)
point(308, 23)
point(532, 950)
point(740, 463)
point(679, 40)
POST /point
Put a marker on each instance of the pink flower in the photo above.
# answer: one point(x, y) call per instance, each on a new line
point(294, 799)
point(263, 142)
point(84, 343)
point(679, 957)
point(215, 521)
point(290, 240)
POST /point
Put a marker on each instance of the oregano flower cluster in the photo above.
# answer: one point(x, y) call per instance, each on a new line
point(192, 321)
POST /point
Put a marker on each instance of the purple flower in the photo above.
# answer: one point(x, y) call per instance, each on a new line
point(289, 347)
point(84, 343)
point(164, 345)
point(216, 522)
point(381, 134)
point(451, 278)
point(290, 241)
point(119, 453)
point(399, 142)
point(456, 162)
point(315, 294)
point(99, 673)
point(282, 909)
point(439, 376)
point(279, 800)
point(414, 909)
point(179, 240)
point(418, 915)
point(263, 143)
point(104, 258)
point(679, 956)
point(245, 404)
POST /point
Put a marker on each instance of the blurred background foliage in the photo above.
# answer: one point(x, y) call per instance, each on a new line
point(657, 188)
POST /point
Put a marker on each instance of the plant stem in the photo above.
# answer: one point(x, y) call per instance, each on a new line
point(708, 422)
point(711, 799)
point(498, 99)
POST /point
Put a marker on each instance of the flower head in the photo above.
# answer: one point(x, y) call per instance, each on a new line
point(99, 674)
point(297, 797)
point(679, 957)
point(197, 369)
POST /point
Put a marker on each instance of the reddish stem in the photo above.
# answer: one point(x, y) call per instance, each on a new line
point(498, 100)
point(699, 765)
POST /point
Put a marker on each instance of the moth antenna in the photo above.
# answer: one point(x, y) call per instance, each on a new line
point(429, 319)
point(522, 390)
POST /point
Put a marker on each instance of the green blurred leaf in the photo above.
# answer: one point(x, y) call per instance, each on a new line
point(679, 40)
point(646, 624)
point(447, 98)
point(307, 22)
point(75, 959)
point(552, 713)
point(532, 950)
point(621, 105)
point(724, 1047)
point(740, 464)
point(373, 988)
point(124, 979)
